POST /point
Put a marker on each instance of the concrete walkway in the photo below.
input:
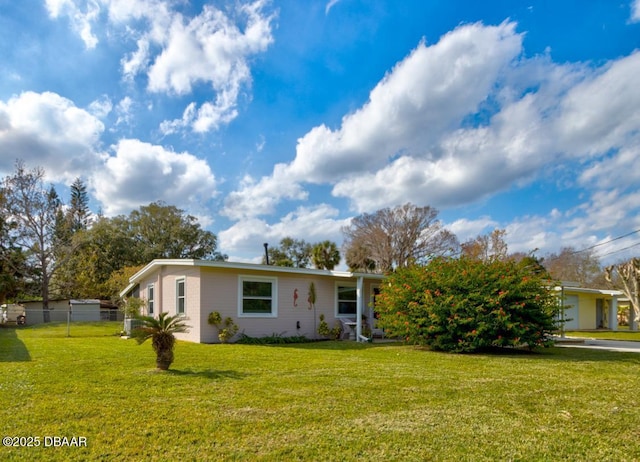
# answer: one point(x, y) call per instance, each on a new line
point(611, 345)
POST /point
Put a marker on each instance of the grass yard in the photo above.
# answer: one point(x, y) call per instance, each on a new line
point(606, 335)
point(322, 401)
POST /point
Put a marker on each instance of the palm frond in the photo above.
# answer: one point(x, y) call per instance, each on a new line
point(153, 327)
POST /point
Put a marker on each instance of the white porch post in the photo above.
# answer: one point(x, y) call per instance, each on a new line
point(160, 296)
point(359, 307)
point(613, 313)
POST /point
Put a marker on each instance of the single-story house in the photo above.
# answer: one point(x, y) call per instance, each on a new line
point(262, 300)
point(588, 309)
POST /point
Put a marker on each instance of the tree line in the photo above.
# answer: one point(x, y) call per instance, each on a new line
point(49, 249)
point(392, 239)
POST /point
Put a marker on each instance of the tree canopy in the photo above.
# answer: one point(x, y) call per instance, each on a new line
point(487, 247)
point(13, 266)
point(165, 231)
point(570, 264)
point(294, 253)
point(325, 255)
point(78, 213)
point(298, 253)
point(111, 244)
point(396, 238)
point(65, 251)
point(35, 210)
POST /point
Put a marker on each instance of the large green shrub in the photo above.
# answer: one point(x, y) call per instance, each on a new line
point(465, 305)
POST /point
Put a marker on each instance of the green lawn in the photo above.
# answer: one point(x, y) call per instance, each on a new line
point(319, 401)
point(624, 334)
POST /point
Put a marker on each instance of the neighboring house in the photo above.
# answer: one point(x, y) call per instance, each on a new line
point(60, 310)
point(262, 300)
point(589, 309)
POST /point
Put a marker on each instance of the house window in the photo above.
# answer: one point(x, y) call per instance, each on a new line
point(150, 299)
point(180, 296)
point(346, 300)
point(257, 297)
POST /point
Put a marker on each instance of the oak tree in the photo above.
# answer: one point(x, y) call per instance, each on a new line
point(487, 247)
point(294, 253)
point(399, 237)
point(35, 210)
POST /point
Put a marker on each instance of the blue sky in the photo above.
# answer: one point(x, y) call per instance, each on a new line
point(268, 119)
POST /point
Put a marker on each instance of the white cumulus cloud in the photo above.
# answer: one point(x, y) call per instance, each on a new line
point(81, 16)
point(49, 131)
point(430, 91)
point(176, 53)
point(139, 173)
point(256, 198)
point(635, 11)
point(469, 117)
point(313, 224)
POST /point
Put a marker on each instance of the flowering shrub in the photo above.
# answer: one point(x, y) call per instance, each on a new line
point(465, 305)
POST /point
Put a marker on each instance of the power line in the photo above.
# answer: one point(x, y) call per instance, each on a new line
point(620, 250)
point(608, 242)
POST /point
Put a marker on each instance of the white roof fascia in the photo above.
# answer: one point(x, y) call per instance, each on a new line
point(246, 267)
point(127, 289)
point(584, 290)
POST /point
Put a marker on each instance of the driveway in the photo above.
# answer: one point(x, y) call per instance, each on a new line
point(611, 345)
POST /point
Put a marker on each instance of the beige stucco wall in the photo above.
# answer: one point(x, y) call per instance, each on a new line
point(164, 280)
point(220, 292)
point(217, 289)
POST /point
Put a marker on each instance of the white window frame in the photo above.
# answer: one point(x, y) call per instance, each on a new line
point(349, 285)
point(181, 280)
point(274, 296)
point(151, 295)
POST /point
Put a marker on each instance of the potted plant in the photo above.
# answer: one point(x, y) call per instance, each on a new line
point(161, 331)
point(326, 331)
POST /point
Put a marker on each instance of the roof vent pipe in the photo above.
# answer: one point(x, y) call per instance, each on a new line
point(266, 252)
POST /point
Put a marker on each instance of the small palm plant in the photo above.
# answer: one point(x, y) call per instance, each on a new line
point(161, 331)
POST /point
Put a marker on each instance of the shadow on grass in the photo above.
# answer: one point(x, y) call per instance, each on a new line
point(561, 354)
point(209, 374)
point(538, 354)
point(338, 345)
point(12, 349)
point(588, 354)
